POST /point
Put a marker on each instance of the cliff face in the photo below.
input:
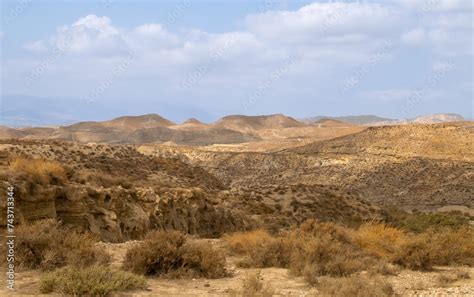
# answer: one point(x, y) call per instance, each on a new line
point(118, 214)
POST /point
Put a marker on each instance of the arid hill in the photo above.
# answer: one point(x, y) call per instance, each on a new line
point(252, 123)
point(118, 193)
point(412, 166)
point(282, 131)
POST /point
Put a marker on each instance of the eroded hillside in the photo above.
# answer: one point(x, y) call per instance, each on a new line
point(413, 166)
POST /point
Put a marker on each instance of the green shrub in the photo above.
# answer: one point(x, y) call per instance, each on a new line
point(419, 222)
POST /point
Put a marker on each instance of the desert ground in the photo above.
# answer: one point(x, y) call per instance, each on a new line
point(245, 206)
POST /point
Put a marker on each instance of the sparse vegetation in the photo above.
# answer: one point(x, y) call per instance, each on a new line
point(170, 253)
point(47, 245)
point(419, 222)
point(254, 286)
point(354, 286)
point(89, 281)
point(39, 170)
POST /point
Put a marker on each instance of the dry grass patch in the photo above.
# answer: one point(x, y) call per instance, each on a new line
point(254, 286)
point(47, 245)
point(40, 170)
point(354, 286)
point(171, 254)
point(90, 281)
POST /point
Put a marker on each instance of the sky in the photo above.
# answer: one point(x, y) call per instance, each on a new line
point(84, 60)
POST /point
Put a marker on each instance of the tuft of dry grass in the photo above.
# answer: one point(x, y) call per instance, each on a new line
point(354, 286)
point(90, 281)
point(40, 170)
point(171, 254)
point(254, 286)
point(47, 245)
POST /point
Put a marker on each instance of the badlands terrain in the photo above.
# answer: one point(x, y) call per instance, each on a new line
point(289, 204)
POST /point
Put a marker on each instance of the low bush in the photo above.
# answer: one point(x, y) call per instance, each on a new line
point(40, 170)
point(380, 240)
point(438, 247)
point(90, 281)
point(419, 222)
point(312, 257)
point(314, 249)
point(243, 242)
point(47, 245)
point(354, 286)
point(259, 248)
point(254, 286)
point(170, 254)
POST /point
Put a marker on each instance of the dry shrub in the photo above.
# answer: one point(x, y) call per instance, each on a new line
point(254, 286)
point(323, 248)
point(437, 247)
point(39, 170)
point(47, 245)
point(90, 281)
point(259, 248)
point(201, 259)
point(354, 286)
point(243, 242)
point(314, 249)
point(380, 240)
point(169, 253)
point(451, 247)
point(414, 254)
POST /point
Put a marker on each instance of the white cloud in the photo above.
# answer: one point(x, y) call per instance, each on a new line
point(323, 39)
point(90, 35)
point(36, 46)
point(424, 6)
point(414, 37)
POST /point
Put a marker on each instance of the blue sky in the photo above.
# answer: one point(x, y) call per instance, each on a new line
point(183, 58)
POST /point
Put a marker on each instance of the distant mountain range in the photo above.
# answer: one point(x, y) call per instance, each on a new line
point(372, 120)
point(356, 120)
point(152, 128)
